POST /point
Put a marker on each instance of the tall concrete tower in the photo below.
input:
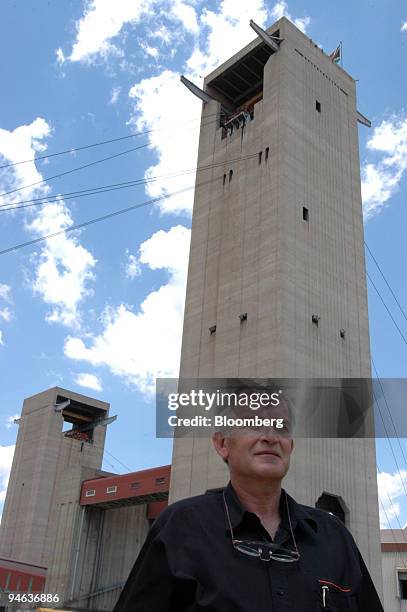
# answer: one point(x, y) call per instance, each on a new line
point(276, 281)
point(58, 445)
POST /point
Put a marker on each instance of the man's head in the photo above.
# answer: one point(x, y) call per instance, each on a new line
point(261, 452)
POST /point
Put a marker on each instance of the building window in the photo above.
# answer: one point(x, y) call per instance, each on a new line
point(230, 175)
point(315, 319)
point(267, 152)
point(8, 578)
point(305, 213)
point(135, 485)
point(112, 489)
point(224, 179)
point(318, 106)
point(90, 493)
point(342, 333)
point(243, 317)
point(402, 580)
point(160, 480)
point(260, 156)
point(212, 329)
point(332, 504)
point(30, 585)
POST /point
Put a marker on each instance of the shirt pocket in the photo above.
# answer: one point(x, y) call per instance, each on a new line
point(335, 597)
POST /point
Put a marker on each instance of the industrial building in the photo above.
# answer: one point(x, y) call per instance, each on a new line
point(276, 288)
point(69, 528)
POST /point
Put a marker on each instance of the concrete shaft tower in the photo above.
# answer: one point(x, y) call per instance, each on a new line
point(46, 457)
point(277, 237)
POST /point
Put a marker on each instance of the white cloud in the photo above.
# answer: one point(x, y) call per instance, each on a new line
point(133, 267)
point(5, 291)
point(59, 54)
point(381, 179)
point(226, 31)
point(186, 14)
point(391, 491)
point(17, 145)
point(141, 345)
point(280, 9)
point(1, 339)
point(148, 50)
point(102, 21)
point(148, 96)
point(10, 420)
point(5, 314)
point(63, 268)
point(90, 381)
point(114, 95)
point(6, 459)
point(404, 27)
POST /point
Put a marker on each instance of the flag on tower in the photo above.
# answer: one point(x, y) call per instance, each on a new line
point(335, 56)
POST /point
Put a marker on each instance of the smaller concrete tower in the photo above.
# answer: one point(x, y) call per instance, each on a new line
point(58, 431)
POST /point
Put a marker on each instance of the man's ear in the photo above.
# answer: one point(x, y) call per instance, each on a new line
point(219, 442)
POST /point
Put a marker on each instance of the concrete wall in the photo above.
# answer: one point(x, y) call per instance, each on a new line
point(251, 251)
point(42, 453)
point(391, 562)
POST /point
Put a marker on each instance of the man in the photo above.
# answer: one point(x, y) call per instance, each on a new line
point(249, 547)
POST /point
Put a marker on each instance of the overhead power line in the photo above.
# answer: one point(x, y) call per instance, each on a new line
point(114, 186)
point(387, 283)
point(82, 167)
point(387, 308)
point(101, 218)
point(99, 143)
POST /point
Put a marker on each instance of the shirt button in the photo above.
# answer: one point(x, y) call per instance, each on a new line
point(280, 592)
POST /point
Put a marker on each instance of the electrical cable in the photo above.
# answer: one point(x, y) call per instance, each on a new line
point(82, 167)
point(386, 307)
point(100, 143)
point(113, 186)
point(387, 283)
point(101, 218)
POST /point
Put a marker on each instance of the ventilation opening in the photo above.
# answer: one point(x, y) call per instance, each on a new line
point(212, 329)
point(243, 317)
point(315, 319)
point(305, 213)
point(318, 106)
point(230, 175)
point(260, 156)
point(331, 503)
point(402, 576)
point(342, 333)
point(267, 153)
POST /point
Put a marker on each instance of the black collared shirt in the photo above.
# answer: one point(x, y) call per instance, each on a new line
point(188, 563)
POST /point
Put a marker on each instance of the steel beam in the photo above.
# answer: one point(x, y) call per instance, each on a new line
point(197, 91)
point(363, 120)
point(269, 40)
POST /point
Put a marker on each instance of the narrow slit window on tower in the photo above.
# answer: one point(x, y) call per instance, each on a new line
point(260, 156)
point(243, 317)
point(305, 213)
point(342, 333)
point(212, 329)
point(315, 319)
point(224, 179)
point(230, 175)
point(318, 105)
point(267, 153)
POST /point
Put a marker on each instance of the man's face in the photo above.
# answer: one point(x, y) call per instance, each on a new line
point(260, 453)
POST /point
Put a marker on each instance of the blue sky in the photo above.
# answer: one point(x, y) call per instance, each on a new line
point(100, 310)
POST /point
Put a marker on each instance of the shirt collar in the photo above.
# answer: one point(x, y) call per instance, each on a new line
point(298, 512)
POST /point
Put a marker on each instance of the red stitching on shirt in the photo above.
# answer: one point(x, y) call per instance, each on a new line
point(343, 589)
